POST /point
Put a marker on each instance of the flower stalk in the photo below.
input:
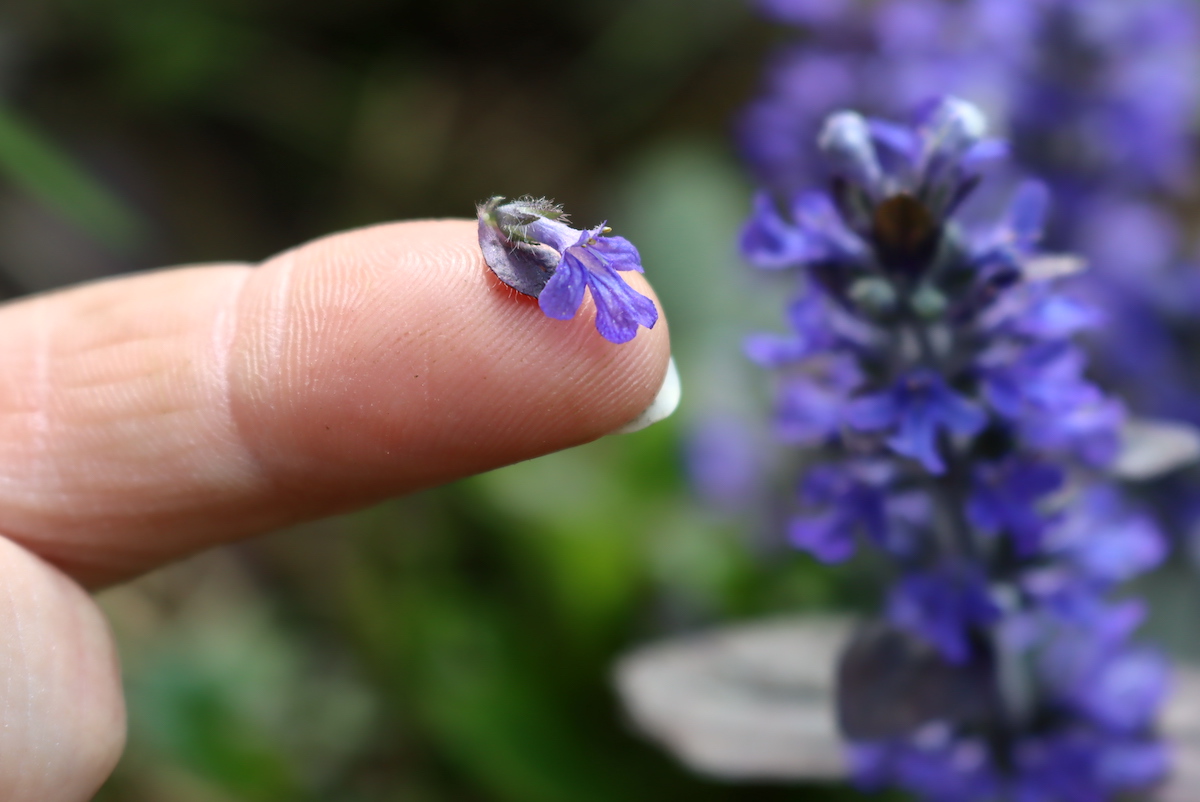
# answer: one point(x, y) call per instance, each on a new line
point(931, 371)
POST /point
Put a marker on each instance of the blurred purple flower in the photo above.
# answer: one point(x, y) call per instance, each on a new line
point(725, 462)
point(854, 501)
point(914, 412)
point(1006, 496)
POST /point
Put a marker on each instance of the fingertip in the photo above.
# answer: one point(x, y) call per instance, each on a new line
point(156, 415)
point(392, 358)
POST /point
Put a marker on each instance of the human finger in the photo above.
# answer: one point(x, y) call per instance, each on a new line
point(145, 418)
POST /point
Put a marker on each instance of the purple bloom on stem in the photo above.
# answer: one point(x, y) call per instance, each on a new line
point(943, 607)
point(809, 405)
point(814, 330)
point(1006, 497)
point(934, 320)
point(1105, 541)
point(853, 502)
point(915, 411)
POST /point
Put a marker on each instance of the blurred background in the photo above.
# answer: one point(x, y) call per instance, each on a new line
point(456, 646)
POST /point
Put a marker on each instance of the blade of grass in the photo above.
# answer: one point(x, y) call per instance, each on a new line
point(34, 164)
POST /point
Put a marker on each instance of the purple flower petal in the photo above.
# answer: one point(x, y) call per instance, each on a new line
point(617, 253)
point(770, 242)
point(620, 309)
point(1125, 690)
point(563, 293)
point(846, 140)
point(1005, 499)
point(825, 536)
point(871, 413)
point(1027, 213)
point(916, 437)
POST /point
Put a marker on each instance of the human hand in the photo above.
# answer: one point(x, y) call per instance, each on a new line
point(145, 418)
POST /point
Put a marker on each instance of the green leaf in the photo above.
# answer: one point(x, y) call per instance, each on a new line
point(31, 162)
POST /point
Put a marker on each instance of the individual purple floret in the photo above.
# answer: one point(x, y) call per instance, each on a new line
point(948, 424)
point(529, 245)
point(916, 410)
point(944, 607)
point(1008, 497)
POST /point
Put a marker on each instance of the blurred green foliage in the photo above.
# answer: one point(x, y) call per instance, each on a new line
point(454, 646)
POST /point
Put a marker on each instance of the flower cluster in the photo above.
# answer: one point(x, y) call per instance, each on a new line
point(1098, 97)
point(930, 367)
point(530, 246)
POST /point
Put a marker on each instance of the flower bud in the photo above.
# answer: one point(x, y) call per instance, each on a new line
point(846, 139)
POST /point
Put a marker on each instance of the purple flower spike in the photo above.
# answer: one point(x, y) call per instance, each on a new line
point(1106, 540)
point(531, 248)
point(949, 426)
point(816, 234)
point(915, 410)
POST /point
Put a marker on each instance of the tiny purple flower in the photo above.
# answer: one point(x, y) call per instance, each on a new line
point(520, 240)
point(809, 404)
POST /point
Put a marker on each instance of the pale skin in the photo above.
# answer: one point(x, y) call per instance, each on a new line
point(145, 418)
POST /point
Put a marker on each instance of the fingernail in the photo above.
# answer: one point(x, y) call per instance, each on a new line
point(663, 404)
